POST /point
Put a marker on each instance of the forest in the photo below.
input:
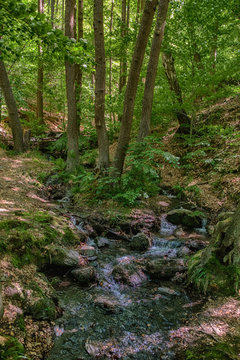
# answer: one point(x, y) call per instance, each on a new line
point(119, 179)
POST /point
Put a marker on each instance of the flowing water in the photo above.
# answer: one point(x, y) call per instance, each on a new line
point(111, 320)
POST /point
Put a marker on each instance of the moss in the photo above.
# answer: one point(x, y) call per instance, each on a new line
point(43, 309)
point(218, 351)
point(42, 217)
point(68, 237)
point(13, 224)
point(11, 349)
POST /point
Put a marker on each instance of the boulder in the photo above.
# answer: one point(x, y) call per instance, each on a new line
point(167, 291)
point(165, 268)
point(139, 242)
point(64, 257)
point(129, 274)
point(85, 275)
point(189, 219)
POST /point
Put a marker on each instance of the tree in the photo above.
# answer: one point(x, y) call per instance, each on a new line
point(79, 73)
point(12, 109)
point(72, 127)
point(152, 70)
point(39, 112)
point(183, 118)
point(100, 86)
point(131, 90)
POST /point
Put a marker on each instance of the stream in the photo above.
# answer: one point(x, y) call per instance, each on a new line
point(130, 319)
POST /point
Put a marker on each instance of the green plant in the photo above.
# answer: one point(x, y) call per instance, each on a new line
point(12, 350)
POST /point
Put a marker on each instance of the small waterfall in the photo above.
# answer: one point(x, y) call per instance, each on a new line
point(167, 228)
point(202, 230)
point(162, 247)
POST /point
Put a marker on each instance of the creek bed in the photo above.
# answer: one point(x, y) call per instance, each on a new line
point(111, 320)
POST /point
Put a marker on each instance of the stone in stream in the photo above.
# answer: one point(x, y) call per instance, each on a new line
point(88, 251)
point(64, 257)
point(109, 304)
point(139, 242)
point(129, 274)
point(187, 218)
point(165, 268)
point(167, 291)
point(85, 275)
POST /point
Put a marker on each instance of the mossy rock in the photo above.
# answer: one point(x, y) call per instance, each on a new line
point(14, 224)
point(189, 219)
point(43, 309)
point(139, 242)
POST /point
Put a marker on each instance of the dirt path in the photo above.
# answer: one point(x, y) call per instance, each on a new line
point(19, 184)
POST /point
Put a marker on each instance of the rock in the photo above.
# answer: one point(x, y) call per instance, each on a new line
point(187, 218)
point(85, 275)
point(88, 250)
point(165, 268)
point(184, 251)
point(63, 257)
point(102, 242)
point(129, 274)
point(42, 309)
point(139, 242)
point(167, 291)
point(108, 304)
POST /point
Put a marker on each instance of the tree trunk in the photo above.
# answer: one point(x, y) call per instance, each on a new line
point(100, 86)
point(123, 61)
point(39, 113)
point(183, 118)
point(12, 109)
point(78, 68)
point(131, 90)
point(152, 70)
point(110, 59)
point(52, 11)
point(72, 128)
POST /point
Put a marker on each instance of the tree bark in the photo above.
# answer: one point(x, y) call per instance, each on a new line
point(102, 136)
point(131, 90)
point(110, 59)
point(152, 70)
point(72, 127)
point(78, 68)
point(183, 118)
point(39, 113)
point(52, 11)
point(123, 60)
point(12, 109)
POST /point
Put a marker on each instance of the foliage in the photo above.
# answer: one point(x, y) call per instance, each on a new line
point(140, 180)
point(12, 350)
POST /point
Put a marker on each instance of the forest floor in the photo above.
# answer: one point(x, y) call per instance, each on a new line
point(212, 182)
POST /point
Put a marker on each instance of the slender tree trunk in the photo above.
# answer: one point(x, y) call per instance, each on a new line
point(52, 11)
point(100, 86)
point(123, 60)
point(39, 113)
point(72, 128)
point(183, 118)
point(138, 11)
point(12, 109)
point(78, 68)
point(131, 90)
point(152, 70)
point(0, 105)
point(110, 59)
